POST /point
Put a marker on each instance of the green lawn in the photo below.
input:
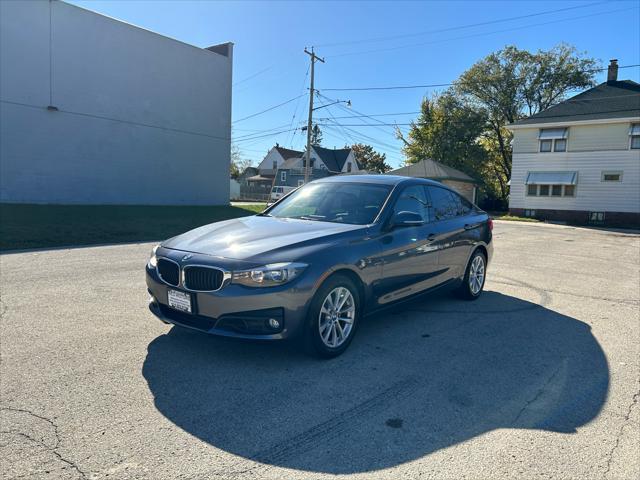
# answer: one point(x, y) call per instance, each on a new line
point(511, 218)
point(34, 226)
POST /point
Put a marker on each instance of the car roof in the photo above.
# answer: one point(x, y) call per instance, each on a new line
point(375, 179)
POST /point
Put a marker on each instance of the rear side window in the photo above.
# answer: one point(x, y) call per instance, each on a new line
point(413, 199)
point(443, 203)
point(464, 207)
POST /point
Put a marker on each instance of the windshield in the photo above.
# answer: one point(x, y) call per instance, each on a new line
point(354, 203)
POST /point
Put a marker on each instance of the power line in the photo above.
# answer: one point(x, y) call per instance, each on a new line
point(268, 109)
point(459, 27)
point(246, 79)
point(262, 136)
point(374, 115)
point(295, 112)
point(432, 85)
point(400, 47)
point(256, 132)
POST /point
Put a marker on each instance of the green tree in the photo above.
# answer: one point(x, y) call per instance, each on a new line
point(466, 126)
point(370, 160)
point(447, 131)
point(316, 136)
point(238, 164)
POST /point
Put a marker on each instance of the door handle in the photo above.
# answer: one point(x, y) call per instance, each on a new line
point(471, 226)
point(431, 237)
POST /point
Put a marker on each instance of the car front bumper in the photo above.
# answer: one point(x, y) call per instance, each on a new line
point(236, 310)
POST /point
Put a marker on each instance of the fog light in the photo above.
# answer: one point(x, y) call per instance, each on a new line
point(273, 323)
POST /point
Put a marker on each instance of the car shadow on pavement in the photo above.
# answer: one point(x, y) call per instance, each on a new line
point(416, 379)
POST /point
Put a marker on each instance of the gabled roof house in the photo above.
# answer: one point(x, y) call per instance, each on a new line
point(428, 168)
point(579, 161)
point(324, 162)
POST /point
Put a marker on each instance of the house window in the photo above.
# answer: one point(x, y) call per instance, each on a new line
point(596, 217)
point(275, 165)
point(634, 133)
point(349, 167)
point(560, 145)
point(529, 213)
point(553, 139)
point(611, 176)
point(283, 176)
point(551, 190)
point(546, 145)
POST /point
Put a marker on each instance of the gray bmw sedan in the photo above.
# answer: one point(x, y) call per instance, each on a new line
point(314, 263)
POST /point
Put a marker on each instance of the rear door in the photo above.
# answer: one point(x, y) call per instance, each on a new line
point(449, 231)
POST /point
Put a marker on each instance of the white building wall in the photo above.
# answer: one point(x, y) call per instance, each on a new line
point(141, 119)
point(592, 194)
point(266, 165)
point(581, 138)
point(351, 159)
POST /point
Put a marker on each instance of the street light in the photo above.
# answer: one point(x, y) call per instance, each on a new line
point(347, 102)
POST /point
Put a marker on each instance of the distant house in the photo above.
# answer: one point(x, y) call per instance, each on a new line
point(274, 160)
point(427, 168)
point(247, 173)
point(579, 161)
point(323, 163)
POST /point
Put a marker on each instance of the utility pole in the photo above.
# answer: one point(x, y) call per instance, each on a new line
point(314, 57)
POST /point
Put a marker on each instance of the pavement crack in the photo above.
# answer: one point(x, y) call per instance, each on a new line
point(538, 393)
point(53, 449)
point(625, 422)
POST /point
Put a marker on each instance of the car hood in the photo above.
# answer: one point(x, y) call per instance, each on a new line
point(247, 237)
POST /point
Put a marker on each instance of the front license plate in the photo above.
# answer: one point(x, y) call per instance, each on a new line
point(179, 300)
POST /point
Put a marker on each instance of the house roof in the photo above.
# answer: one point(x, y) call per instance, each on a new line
point(617, 99)
point(290, 163)
point(428, 168)
point(332, 158)
point(288, 153)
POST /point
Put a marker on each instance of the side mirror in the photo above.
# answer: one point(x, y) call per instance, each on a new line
point(406, 219)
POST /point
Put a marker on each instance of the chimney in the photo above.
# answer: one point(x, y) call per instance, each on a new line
point(612, 75)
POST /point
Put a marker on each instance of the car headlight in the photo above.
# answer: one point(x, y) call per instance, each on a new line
point(153, 260)
point(268, 275)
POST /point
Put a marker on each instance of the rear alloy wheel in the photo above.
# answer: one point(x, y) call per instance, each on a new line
point(474, 277)
point(333, 316)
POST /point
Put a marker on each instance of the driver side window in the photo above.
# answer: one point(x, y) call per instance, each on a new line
point(413, 199)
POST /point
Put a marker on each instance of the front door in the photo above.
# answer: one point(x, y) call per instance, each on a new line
point(409, 258)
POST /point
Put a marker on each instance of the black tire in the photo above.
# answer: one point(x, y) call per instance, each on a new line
point(314, 343)
point(465, 291)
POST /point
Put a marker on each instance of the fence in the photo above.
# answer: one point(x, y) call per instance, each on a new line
point(258, 192)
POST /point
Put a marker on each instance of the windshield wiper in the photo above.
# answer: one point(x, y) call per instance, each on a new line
point(311, 217)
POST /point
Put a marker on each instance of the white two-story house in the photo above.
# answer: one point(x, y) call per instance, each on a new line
point(579, 161)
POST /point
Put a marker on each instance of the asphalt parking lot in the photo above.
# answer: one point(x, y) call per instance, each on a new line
point(540, 378)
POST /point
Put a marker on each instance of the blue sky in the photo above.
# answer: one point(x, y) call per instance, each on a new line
point(369, 44)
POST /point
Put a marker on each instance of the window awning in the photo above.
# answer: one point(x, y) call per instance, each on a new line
point(635, 129)
point(552, 178)
point(550, 133)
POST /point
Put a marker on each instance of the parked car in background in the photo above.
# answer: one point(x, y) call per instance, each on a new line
point(311, 265)
point(279, 192)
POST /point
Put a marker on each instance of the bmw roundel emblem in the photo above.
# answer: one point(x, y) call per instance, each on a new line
point(186, 257)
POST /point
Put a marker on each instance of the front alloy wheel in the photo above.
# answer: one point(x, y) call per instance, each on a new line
point(336, 317)
point(333, 317)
